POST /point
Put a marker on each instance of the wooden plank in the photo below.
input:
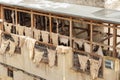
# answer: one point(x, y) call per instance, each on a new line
point(93, 30)
point(50, 26)
point(104, 45)
point(32, 20)
point(70, 28)
point(8, 8)
point(91, 37)
point(57, 25)
point(117, 48)
point(83, 40)
point(86, 53)
point(57, 17)
point(114, 41)
point(48, 44)
point(13, 19)
point(118, 43)
point(16, 17)
point(41, 14)
point(81, 52)
point(63, 36)
point(107, 38)
point(117, 28)
point(80, 32)
point(2, 17)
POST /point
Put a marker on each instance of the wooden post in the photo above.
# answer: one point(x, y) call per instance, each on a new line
point(108, 38)
point(32, 20)
point(70, 28)
point(114, 41)
point(16, 17)
point(50, 26)
point(57, 21)
point(91, 36)
point(1, 17)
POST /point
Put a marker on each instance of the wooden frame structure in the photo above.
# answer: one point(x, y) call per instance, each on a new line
point(71, 19)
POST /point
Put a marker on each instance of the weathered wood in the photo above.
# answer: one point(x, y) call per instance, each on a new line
point(50, 25)
point(91, 37)
point(70, 28)
point(32, 20)
point(80, 32)
point(114, 41)
point(16, 17)
point(118, 43)
point(71, 20)
point(1, 16)
point(107, 38)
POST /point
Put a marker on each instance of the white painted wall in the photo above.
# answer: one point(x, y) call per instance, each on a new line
point(63, 71)
point(3, 71)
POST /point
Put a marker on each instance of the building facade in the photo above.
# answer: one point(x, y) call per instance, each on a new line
point(49, 41)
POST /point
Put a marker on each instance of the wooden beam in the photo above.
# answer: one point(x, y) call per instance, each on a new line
point(74, 27)
point(57, 25)
point(13, 19)
point(91, 36)
point(48, 44)
point(118, 43)
point(57, 17)
point(70, 31)
point(83, 40)
point(93, 31)
point(50, 26)
point(80, 32)
point(114, 41)
point(86, 53)
point(16, 17)
point(100, 44)
point(81, 52)
point(41, 14)
point(64, 36)
point(107, 38)
point(32, 20)
point(2, 17)
point(117, 28)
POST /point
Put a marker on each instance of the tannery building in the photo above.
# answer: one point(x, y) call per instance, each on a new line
point(43, 40)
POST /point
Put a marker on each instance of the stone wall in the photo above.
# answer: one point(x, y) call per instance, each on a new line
point(96, 3)
point(110, 4)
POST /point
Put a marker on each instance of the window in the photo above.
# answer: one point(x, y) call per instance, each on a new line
point(10, 73)
point(109, 64)
point(41, 22)
point(24, 19)
point(8, 15)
